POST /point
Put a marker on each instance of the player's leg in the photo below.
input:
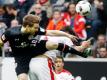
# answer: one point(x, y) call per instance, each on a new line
point(40, 66)
point(22, 67)
point(65, 48)
point(33, 76)
point(43, 46)
point(41, 69)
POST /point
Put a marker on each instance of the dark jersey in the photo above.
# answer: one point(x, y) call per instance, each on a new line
point(19, 42)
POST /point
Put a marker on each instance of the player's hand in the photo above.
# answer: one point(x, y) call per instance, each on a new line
point(73, 38)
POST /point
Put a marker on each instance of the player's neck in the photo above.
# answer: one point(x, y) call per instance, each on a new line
point(59, 71)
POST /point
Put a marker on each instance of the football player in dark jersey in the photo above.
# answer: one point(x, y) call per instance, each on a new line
point(24, 46)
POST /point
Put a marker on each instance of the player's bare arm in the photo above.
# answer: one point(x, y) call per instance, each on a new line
point(60, 33)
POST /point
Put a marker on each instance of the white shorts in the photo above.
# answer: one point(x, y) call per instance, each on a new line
point(41, 69)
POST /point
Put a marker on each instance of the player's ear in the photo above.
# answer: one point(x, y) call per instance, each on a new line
point(62, 64)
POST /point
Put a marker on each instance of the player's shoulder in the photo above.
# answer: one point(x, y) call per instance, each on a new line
point(13, 30)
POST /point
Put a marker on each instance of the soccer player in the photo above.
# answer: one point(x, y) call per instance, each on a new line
point(25, 46)
point(41, 65)
point(60, 72)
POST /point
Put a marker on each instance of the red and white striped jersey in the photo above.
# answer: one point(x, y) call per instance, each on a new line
point(64, 75)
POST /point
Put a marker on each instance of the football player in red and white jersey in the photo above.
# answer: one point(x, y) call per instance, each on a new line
point(60, 72)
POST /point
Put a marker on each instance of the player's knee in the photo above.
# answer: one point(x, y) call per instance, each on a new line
point(51, 45)
point(23, 76)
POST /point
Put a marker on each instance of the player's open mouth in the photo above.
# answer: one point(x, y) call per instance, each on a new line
point(57, 66)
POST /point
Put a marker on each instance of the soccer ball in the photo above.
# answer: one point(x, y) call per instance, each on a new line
point(83, 7)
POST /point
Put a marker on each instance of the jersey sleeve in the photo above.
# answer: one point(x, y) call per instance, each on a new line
point(41, 31)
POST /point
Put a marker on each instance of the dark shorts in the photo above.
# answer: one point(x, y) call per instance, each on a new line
point(24, 59)
point(22, 64)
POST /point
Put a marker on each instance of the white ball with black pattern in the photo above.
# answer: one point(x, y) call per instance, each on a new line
point(83, 7)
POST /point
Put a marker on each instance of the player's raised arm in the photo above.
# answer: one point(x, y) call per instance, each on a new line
point(61, 33)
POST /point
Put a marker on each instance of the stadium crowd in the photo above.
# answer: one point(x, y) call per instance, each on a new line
point(59, 15)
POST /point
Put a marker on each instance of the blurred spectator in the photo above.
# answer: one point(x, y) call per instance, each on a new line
point(56, 23)
point(97, 18)
point(101, 15)
point(53, 1)
point(13, 13)
point(58, 4)
point(3, 2)
point(23, 5)
point(76, 21)
point(102, 52)
point(105, 7)
point(14, 23)
point(47, 6)
point(60, 72)
point(105, 11)
point(101, 42)
point(2, 30)
point(66, 4)
point(42, 2)
point(36, 9)
point(1, 11)
point(3, 15)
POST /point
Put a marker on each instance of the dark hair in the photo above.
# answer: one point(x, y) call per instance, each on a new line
point(103, 47)
point(30, 19)
point(101, 35)
point(1, 7)
point(56, 10)
point(10, 6)
point(74, 3)
point(60, 57)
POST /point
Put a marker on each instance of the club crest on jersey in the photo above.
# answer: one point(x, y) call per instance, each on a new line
point(33, 42)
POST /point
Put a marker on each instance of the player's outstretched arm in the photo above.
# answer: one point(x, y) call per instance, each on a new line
point(61, 33)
